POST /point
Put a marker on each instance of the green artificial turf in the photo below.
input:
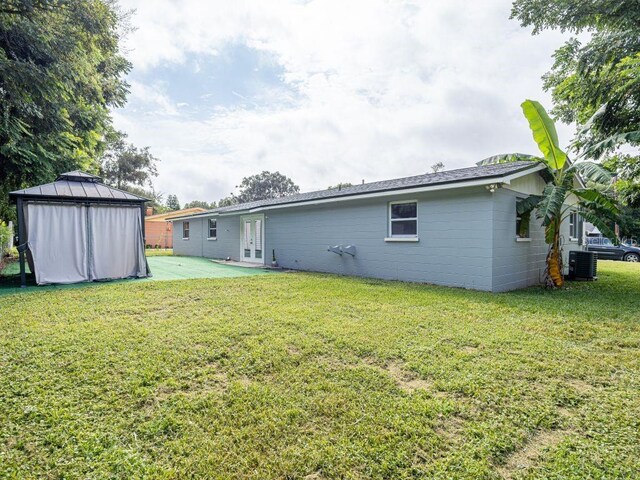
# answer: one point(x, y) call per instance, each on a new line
point(177, 268)
point(163, 267)
point(318, 376)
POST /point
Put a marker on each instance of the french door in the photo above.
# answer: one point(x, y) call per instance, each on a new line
point(252, 238)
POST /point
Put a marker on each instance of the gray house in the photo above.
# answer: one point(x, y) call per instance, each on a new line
point(455, 228)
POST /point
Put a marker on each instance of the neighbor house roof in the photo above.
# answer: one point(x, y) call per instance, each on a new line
point(77, 185)
point(162, 217)
point(484, 174)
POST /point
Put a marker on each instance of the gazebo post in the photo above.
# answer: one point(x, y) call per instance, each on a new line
point(21, 241)
point(143, 212)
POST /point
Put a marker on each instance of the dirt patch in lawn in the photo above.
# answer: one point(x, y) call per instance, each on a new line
point(450, 428)
point(525, 457)
point(580, 386)
point(405, 379)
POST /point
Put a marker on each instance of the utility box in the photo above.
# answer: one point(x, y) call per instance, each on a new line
point(583, 265)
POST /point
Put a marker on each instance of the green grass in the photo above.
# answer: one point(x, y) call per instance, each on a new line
point(318, 376)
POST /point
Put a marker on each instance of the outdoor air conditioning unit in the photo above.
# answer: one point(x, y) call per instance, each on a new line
point(583, 265)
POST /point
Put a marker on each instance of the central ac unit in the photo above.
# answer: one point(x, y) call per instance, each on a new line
point(583, 265)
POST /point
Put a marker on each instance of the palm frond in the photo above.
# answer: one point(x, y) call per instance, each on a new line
point(593, 196)
point(591, 171)
point(527, 205)
point(550, 206)
point(544, 133)
point(596, 218)
point(507, 158)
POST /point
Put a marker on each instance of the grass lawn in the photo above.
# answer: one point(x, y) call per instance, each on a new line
point(158, 252)
point(317, 376)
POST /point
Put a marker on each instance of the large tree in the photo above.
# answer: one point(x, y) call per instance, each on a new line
point(124, 164)
point(172, 203)
point(156, 198)
point(60, 71)
point(594, 83)
point(265, 185)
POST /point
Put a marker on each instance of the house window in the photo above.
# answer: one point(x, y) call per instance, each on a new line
point(522, 224)
point(185, 230)
point(573, 226)
point(403, 220)
point(213, 229)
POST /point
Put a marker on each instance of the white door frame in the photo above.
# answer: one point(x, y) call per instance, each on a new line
point(252, 239)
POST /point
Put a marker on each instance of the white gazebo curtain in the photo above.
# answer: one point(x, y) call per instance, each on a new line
point(73, 243)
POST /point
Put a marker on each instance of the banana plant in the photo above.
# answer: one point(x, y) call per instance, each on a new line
point(586, 182)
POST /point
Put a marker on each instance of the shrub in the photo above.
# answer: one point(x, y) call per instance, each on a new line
point(5, 235)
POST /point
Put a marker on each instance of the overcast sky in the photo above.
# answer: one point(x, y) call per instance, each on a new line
point(327, 91)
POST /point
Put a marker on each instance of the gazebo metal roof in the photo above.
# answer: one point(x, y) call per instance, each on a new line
point(77, 185)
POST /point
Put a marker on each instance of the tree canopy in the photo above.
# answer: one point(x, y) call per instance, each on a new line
point(60, 71)
point(597, 83)
point(157, 198)
point(261, 186)
point(200, 204)
point(266, 185)
point(124, 164)
point(172, 203)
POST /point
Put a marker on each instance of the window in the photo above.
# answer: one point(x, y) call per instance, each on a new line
point(258, 247)
point(573, 225)
point(403, 220)
point(522, 223)
point(213, 229)
point(185, 230)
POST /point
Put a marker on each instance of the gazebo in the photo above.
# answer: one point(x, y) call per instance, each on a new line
point(77, 229)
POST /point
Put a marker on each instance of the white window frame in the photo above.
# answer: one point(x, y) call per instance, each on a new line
point(209, 228)
point(186, 230)
point(400, 238)
point(573, 224)
point(518, 217)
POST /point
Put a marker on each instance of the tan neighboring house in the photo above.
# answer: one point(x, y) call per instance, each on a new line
point(158, 228)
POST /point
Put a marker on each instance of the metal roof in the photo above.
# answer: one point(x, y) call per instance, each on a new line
point(77, 186)
point(78, 176)
point(429, 179)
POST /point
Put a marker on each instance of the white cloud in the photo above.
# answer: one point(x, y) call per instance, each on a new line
point(386, 88)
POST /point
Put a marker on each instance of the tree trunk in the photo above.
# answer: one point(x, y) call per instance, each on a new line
point(554, 262)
